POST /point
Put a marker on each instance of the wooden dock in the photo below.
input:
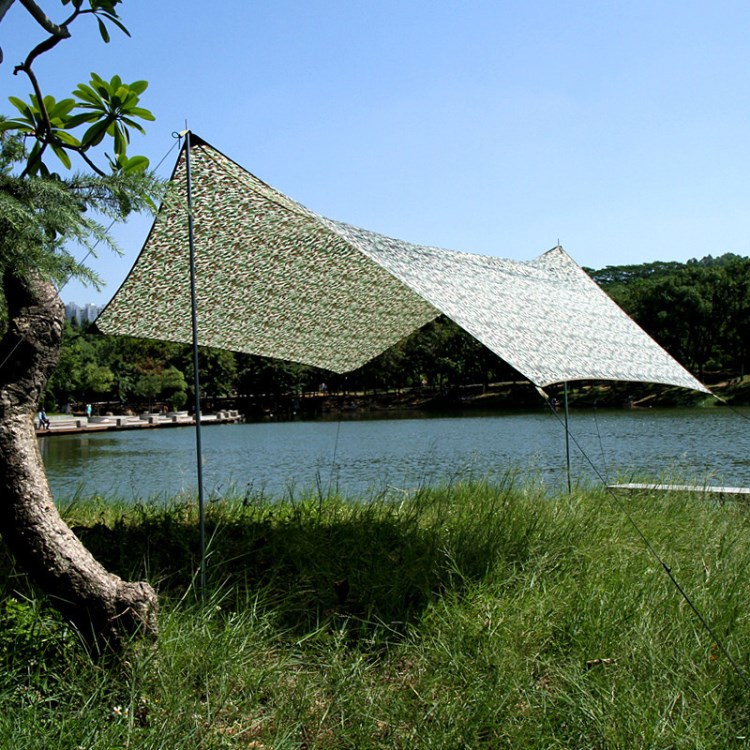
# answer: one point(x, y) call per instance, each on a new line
point(692, 488)
point(75, 425)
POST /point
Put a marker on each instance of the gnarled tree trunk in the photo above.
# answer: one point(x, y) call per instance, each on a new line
point(106, 610)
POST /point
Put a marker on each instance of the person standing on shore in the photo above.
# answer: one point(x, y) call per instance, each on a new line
point(88, 410)
point(43, 420)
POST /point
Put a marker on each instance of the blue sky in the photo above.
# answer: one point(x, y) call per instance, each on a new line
point(621, 129)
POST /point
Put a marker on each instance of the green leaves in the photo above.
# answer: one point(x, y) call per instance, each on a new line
point(102, 9)
point(45, 221)
point(35, 117)
point(133, 164)
point(109, 110)
point(43, 216)
point(112, 108)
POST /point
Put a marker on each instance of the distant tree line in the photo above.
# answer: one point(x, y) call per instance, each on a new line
point(146, 374)
point(698, 311)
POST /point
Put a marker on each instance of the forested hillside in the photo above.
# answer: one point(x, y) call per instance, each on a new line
point(699, 311)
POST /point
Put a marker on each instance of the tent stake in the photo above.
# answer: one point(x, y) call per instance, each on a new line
point(196, 377)
point(567, 438)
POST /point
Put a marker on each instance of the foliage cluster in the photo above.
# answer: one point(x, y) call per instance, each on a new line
point(698, 311)
point(44, 214)
point(108, 110)
point(467, 616)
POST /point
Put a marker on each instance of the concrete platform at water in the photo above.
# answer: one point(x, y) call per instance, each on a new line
point(64, 425)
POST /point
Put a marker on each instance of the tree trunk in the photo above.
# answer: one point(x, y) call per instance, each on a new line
point(106, 610)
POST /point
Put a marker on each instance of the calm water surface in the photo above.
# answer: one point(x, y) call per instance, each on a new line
point(375, 455)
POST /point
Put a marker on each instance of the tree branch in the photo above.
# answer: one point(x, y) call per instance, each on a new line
point(43, 20)
point(45, 137)
point(40, 48)
point(4, 5)
point(82, 153)
point(58, 32)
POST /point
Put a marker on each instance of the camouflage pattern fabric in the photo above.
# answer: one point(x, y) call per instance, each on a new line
point(275, 279)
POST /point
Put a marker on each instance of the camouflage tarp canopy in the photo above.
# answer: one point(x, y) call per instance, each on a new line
point(275, 279)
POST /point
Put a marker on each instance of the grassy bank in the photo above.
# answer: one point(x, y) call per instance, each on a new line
point(464, 617)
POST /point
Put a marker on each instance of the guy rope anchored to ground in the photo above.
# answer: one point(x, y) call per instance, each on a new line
point(617, 503)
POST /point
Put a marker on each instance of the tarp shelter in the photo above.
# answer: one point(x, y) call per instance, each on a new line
point(276, 279)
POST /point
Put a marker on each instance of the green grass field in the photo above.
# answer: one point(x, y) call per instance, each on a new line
point(471, 616)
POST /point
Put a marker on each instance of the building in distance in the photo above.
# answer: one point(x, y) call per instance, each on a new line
point(82, 313)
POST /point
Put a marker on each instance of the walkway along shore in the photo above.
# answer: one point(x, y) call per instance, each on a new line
point(64, 425)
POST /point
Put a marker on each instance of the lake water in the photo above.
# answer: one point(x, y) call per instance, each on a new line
point(368, 456)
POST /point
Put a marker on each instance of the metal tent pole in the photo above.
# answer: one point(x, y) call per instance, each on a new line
point(196, 375)
point(567, 438)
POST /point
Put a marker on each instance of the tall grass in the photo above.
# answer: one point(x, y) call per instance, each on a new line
point(477, 615)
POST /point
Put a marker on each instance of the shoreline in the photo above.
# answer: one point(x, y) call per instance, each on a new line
point(75, 425)
point(507, 396)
